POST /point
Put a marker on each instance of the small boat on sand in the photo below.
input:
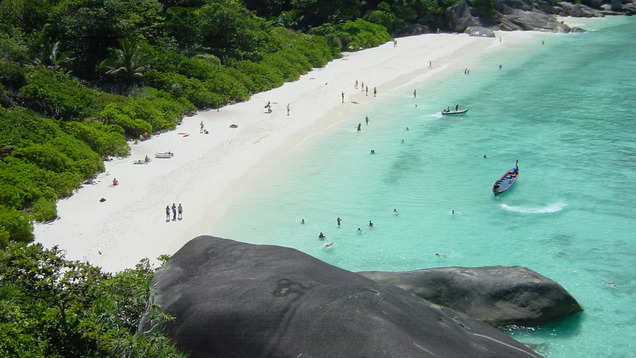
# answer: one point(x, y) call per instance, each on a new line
point(447, 111)
point(164, 155)
point(505, 182)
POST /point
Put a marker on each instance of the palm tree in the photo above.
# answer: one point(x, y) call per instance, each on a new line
point(54, 59)
point(128, 62)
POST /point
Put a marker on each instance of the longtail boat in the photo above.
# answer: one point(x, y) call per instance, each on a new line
point(505, 182)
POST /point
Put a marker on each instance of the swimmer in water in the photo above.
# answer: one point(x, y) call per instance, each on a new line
point(370, 223)
point(441, 255)
point(321, 236)
point(402, 141)
point(338, 220)
point(359, 231)
point(453, 212)
point(395, 212)
point(302, 221)
point(372, 151)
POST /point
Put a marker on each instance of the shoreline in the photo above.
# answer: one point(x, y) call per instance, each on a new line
point(209, 172)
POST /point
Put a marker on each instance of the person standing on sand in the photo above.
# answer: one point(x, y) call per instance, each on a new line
point(366, 89)
point(180, 209)
point(375, 91)
point(356, 85)
point(359, 126)
point(342, 97)
point(174, 212)
point(414, 93)
point(362, 86)
point(287, 109)
point(167, 212)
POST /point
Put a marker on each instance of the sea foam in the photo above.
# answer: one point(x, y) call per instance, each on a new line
point(552, 208)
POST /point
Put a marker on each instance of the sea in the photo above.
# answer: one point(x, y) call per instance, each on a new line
point(563, 105)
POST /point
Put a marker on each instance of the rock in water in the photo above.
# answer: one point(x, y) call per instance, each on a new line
point(497, 295)
point(231, 299)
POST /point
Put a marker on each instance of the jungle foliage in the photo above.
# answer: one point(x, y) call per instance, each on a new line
point(53, 307)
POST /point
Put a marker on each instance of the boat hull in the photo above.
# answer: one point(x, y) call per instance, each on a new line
point(450, 113)
point(505, 182)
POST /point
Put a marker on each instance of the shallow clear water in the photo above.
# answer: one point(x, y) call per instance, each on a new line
point(566, 110)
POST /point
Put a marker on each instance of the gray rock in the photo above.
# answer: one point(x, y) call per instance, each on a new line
point(459, 17)
point(231, 299)
point(479, 31)
point(497, 295)
point(531, 20)
point(577, 10)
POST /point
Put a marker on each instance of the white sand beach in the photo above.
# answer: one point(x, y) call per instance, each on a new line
point(209, 170)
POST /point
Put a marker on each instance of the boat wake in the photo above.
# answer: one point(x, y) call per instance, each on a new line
point(437, 115)
point(552, 208)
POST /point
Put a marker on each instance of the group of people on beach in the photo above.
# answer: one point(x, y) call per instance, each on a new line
point(362, 88)
point(175, 209)
point(202, 129)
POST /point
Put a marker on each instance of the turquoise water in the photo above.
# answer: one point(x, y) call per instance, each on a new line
point(566, 110)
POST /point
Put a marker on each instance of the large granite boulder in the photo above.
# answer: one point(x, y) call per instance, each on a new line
point(577, 10)
point(459, 17)
point(497, 295)
point(531, 20)
point(231, 299)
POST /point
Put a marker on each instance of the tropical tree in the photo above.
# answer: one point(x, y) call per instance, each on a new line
point(128, 63)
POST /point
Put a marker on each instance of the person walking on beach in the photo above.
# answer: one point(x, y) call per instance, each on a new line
point(359, 126)
point(415, 93)
point(366, 89)
point(180, 209)
point(342, 94)
point(366, 119)
point(356, 85)
point(287, 109)
point(167, 212)
point(362, 86)
point(174, 212)
point(201, 125)
point(394, 43)
point(338, 220)
point(375, 91)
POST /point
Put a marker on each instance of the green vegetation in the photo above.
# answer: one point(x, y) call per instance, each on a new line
point(53, 307)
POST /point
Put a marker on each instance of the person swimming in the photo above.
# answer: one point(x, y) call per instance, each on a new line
point(372, 151)
point(338, 220)
point(302, 221)
point(395, 212)
point(321, 236)
point(359, 230)
point(370, 223)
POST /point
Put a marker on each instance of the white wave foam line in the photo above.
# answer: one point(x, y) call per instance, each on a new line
point(552, 208)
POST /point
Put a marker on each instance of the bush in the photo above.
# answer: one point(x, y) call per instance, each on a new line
point(44, 210)
point(102, 138)
point(16, 224)
point(57, 95)
point(11, 75)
